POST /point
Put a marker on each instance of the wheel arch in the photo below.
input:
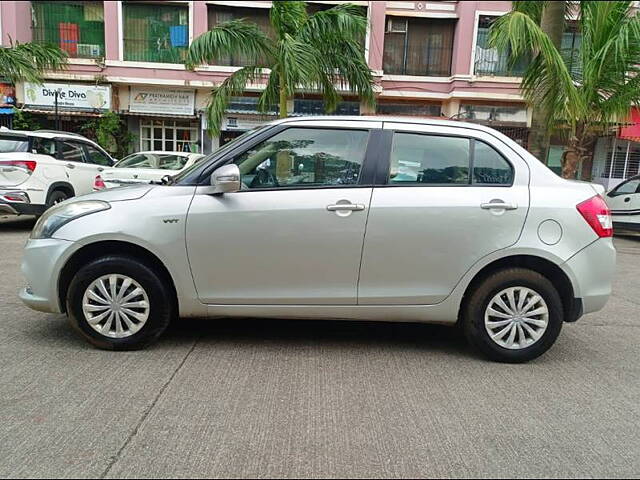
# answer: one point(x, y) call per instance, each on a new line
point(64, 186)
point(113, 247)
point(572, 307)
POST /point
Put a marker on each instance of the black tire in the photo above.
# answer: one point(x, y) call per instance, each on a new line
point(162, 307)
point(474, 310)
point(55, 197)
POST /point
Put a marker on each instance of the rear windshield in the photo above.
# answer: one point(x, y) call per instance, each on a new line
point(13, 143)
point(153, 160)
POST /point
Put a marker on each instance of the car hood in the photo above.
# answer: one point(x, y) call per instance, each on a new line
point(119, 194)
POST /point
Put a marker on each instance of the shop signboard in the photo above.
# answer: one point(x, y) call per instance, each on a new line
point(70, 96)
point(162, 101)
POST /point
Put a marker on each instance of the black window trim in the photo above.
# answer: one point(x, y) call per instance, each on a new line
point(384, 166)
point(368, 171)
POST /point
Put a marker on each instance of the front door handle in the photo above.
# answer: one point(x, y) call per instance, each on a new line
point(499, 205)
point(100, 169)
point(353, 207)
point(628, 199)
point(70, 165)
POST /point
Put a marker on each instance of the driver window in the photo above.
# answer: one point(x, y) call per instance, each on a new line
point(299, 157)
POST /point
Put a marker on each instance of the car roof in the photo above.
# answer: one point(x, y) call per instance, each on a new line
point(388, 119)
point(163, 152)
point(45, 134)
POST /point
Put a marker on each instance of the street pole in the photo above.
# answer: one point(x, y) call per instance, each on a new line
point(57, 116)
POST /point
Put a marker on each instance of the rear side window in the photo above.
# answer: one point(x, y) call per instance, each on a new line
point(489, 167)
point(97, 157)
point(43, 146)
point(13, 143)
point(71, 152)
point(441, 160)
point(626, 188)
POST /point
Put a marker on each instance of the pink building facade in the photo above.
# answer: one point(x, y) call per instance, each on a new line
point(429, 58)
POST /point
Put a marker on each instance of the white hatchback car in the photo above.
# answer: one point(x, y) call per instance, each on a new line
point(337, 217)
point(145, 167)
point(39, 169)
point(624, 202)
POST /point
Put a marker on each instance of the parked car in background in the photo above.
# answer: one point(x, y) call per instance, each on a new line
point(624, 202)
point(145, 167)
point(363, 218)
point(39, 169)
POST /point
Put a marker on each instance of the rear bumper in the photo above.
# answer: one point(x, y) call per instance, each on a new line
point(17, 202)
point(591, 272)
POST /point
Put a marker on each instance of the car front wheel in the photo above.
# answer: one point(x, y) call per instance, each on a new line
point(119, 303)
point(514, 315)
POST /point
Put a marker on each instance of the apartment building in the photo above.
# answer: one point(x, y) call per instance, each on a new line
point(429, 58)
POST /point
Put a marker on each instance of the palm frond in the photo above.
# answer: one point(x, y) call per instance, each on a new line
point(233, 37)
point(233, 85)
point(338, 23)
point(288, 17)
point(28, 61)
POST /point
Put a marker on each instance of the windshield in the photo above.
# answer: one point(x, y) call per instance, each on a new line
point(13, 143)
point(227, 146)
point(153, 160)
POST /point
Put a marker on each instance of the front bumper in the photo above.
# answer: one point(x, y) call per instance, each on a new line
point(591, 272)
point(42, 262)
point(17, 202)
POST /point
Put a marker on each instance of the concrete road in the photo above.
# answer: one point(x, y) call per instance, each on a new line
point(265, 398)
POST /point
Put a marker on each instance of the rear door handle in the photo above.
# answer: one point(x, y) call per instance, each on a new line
point(498, 206)
point(353, 207)
point(70, 165)
point(100, 169)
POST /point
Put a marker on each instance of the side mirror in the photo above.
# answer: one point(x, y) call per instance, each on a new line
point(226, 179)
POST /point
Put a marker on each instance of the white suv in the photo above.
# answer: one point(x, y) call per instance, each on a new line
point(39, 169)
point(346, 218)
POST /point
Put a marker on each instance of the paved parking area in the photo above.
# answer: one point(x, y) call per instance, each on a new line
point(262, 398)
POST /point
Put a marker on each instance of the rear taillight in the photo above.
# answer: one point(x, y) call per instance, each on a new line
point(597, 214)
point(27, 165)
point(98, 183)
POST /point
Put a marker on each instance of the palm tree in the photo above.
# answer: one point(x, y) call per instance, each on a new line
point(27, 62)
point(321, 53)
point(583, 102)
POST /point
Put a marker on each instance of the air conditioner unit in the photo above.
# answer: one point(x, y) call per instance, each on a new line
point(88, 50)
point(396, 25)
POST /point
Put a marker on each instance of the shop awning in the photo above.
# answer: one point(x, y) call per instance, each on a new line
point(632, 130)
point(63, 113)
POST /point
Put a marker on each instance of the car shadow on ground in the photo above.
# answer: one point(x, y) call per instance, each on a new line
point(252, 332)
point(9, 223)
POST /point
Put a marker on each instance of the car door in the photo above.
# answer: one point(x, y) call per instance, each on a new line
point(80, 173)
point(293, 234)
point(444, 198)
point(624, 201)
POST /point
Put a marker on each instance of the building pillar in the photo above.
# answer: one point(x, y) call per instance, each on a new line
point(113, 28)
point(16, 22)
point(376, 35)
point(200, 19)
point(463, 38)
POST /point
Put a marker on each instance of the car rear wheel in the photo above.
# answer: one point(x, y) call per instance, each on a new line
point(56, 197)
point(119, 303)
point(515, 315)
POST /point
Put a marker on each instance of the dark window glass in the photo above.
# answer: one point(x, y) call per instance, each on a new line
point(96, 156)
point(43, 146)
point(412, 108)
point(489, 167)
point(218, 14)
point(418, 46)
point(627, 187)
point(300, 157)
point(490, 61)
point(429, 159)
point(71, 152)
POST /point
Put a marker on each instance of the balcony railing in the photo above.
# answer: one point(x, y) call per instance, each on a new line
point(76, 27)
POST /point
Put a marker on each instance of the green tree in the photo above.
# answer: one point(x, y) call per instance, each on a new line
point(582, 102)
point(318, 52)
point(111, 132)
point(27, 62)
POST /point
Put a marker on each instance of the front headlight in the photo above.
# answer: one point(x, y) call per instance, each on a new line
point(56, 217)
